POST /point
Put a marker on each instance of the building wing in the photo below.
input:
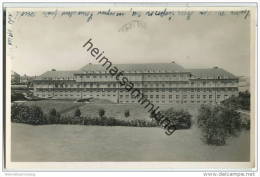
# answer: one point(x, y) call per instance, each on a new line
point(211, 73)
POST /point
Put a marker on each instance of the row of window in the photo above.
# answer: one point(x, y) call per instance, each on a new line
point(133, 96)
point(143, 90)
point(176, 96)
point(170, 101)
point(114, 85)
point(145, 75)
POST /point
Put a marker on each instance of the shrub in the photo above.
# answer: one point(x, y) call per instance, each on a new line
point(54, 116)
point(101, 112)
point(25, 114)
point(127, 113)
point(245, 122)
point(180, 118)
point(242, 101)
point(77, 113)
point(17, 96)
point(217, 123)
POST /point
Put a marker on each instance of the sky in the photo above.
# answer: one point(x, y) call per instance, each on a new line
point(44, 43)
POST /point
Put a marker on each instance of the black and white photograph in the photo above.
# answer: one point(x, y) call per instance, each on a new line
point(130, 86)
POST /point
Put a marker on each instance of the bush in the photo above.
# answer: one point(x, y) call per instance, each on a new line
point(77, 113)
point(217, 123)
point(127, 113)
point(245, 123)
point(24, 114)
point(17, 97)
point(242, 101)
point(34, 115)
point(101, 112)
point(54, 116)
point(180, 118)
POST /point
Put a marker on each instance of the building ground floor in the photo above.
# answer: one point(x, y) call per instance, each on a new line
point(161, 96)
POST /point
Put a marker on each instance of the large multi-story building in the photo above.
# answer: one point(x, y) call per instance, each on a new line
point(159, 82)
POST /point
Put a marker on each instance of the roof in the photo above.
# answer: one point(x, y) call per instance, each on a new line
point(208, 73)
point(211, 73)
point(57, 74)
point(142, 67)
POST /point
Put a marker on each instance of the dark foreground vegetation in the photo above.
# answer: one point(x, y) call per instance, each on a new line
point(218, 123)
point(242, 101)
point(34, 115)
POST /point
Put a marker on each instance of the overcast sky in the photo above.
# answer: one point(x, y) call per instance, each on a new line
point(41, 44)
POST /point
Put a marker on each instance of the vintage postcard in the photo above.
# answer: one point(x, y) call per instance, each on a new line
point(129, 87)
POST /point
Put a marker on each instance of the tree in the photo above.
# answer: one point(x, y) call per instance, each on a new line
point(127, 113)
point(217, 123)
point(101, 112)
point(77, 113)
point(242, 101)
point(54, 116)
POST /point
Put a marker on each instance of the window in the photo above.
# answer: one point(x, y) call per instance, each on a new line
point(170, 96)
point(163, 96)
point(210, 96)
point(151, 96)
point(192, 96)
point(157, 96)
point(184, 96)
point(204, 96)
point(198, 96)
point(177, 96)
point(218, 96)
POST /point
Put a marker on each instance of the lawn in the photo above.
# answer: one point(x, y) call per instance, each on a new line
point(137, 111)
point(76, 143)
point(98, 143)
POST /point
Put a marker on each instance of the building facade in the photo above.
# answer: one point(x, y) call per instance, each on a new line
point(162, 83)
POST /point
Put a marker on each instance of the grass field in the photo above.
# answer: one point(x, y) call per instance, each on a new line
point(98, 143)
point(68, 107)
point(77, 143)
